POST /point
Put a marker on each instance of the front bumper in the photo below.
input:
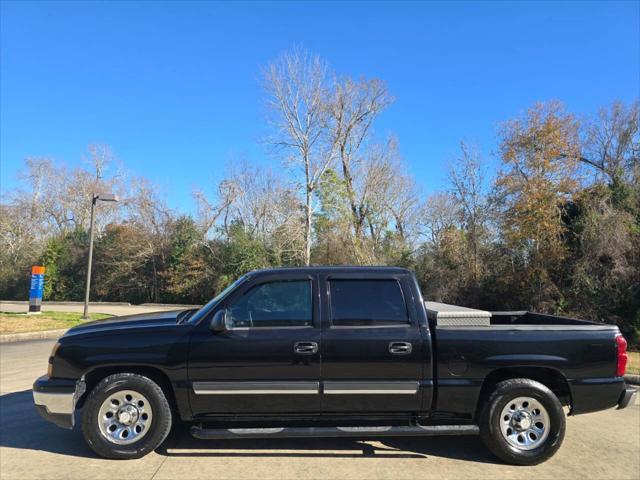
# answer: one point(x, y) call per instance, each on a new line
point(627, 397)
point(55, 399)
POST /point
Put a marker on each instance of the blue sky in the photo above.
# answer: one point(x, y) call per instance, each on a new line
point(174, 88)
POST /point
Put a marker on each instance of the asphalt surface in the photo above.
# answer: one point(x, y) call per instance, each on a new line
point(597, 446)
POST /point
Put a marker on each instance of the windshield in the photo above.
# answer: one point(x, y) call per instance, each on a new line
point(212, 303)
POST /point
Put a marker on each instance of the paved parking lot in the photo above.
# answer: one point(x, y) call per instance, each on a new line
point(597, 446)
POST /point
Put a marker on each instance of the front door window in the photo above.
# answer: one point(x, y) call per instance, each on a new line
point(274, 304)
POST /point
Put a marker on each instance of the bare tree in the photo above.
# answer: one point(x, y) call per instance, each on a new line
point(384, 198)
point(392, 190)
point(260, 201)
point(296, 88)
point(59, 199)
point(438, 214)
point(209, 212)
point(612, 142)
point(353, 107)
point(19, 233)
point(149, 213)
point(402, 202)
point(467, 176)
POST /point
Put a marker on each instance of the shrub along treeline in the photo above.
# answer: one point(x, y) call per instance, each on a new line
point(555, 229)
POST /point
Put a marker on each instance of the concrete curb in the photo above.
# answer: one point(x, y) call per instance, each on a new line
point(632, 379)
point(177, 305)
point(31, 336)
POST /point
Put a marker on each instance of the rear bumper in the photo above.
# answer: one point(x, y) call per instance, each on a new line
point(595, 394)
point(55, 399)
point(627, 397)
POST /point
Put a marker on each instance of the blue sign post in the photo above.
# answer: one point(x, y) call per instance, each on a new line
point(35, 291)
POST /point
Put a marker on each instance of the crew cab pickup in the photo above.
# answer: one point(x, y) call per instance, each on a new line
point(332, 351)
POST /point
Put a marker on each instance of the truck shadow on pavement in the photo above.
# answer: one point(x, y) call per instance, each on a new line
point(21, 427)
point(181, 444)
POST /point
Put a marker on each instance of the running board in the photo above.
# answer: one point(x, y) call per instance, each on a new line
point(361, 432)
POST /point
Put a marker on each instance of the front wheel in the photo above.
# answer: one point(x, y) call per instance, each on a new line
point(126, 416)
point(522, 422)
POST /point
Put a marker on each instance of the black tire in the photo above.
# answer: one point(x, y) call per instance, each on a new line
point(491, 418)
point(158, 429)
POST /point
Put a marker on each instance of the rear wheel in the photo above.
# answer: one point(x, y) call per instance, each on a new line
point(126, 416)
point(522, 422)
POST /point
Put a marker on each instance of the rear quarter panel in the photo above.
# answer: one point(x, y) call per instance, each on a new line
point(583, 355)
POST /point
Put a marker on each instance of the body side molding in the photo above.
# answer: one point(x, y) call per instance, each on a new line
point(256, 388)
point(306, 388)
point(371, 388)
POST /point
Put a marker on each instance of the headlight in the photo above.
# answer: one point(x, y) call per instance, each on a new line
point(53, 354)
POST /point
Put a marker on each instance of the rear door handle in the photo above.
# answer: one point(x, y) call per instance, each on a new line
point(305, 348)
point(400, 348)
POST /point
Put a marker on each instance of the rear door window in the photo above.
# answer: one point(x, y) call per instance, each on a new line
point(362, 303)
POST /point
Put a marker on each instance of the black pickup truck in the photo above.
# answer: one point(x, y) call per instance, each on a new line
point(332, 351)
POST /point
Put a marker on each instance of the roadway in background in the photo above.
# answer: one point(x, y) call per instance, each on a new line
point(110, 308)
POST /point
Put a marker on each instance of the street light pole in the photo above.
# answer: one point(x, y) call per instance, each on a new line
point(105, 197)
point(85, 315)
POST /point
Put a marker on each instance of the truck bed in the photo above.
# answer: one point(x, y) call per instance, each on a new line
point(446, 315)
point(577, 356)
point(531, 318)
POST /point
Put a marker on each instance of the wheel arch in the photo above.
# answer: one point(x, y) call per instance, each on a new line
point(553, 379)
point(94, 376)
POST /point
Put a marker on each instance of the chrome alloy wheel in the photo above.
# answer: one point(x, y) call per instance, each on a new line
point(524, 423)
point(125, 417)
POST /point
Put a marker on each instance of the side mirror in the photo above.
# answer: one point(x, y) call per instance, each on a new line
point(218, 322)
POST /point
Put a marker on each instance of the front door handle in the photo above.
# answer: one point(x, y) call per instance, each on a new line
point(305, 348)
point(400, 348)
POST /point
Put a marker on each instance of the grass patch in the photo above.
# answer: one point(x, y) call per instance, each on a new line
point(634, 363)
point(47, 320)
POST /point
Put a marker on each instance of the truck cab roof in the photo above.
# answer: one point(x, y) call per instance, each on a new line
point(332, 269)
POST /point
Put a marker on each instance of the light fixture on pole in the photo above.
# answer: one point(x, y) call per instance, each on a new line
point(102, 197)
